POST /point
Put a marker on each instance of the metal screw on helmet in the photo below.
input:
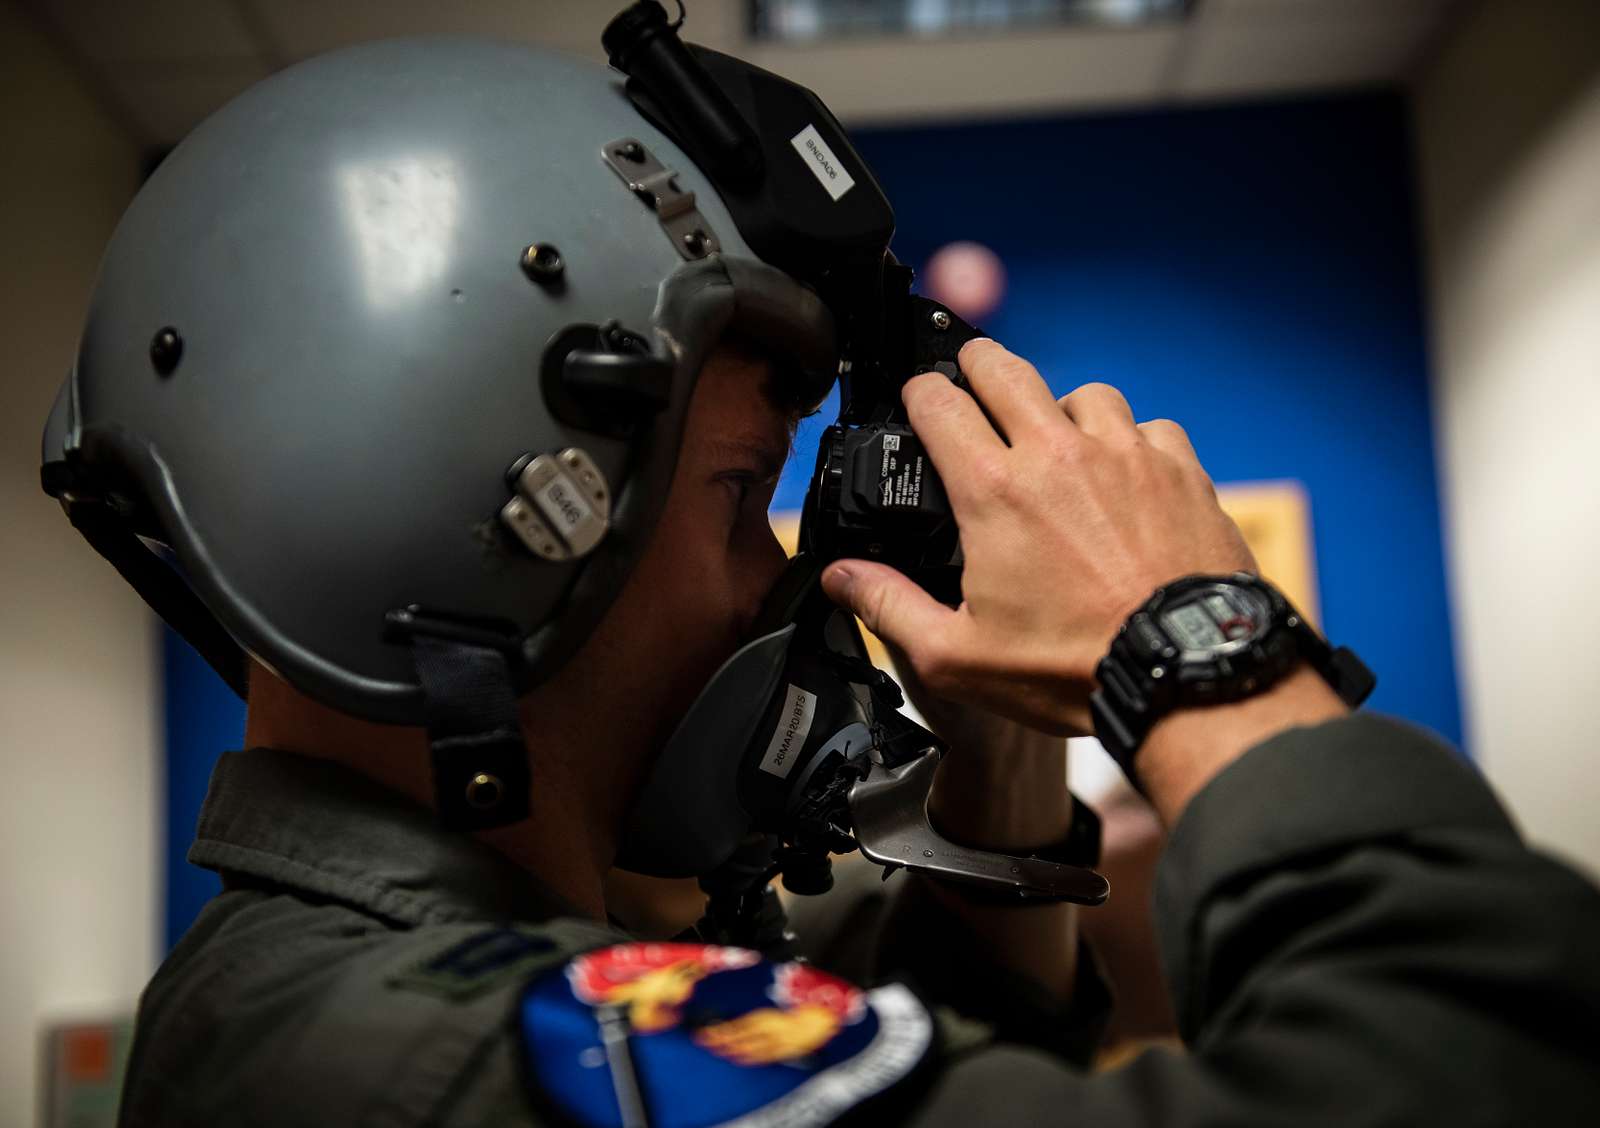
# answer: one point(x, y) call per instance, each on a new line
point(484, 791)
point(940, 319)
point(695, 241)
point(166, 349)
point(543, 263)
point(630, 150)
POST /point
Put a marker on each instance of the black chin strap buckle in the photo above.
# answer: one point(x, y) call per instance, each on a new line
point(481, 777)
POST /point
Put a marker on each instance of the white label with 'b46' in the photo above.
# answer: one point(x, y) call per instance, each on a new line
point(794, 725)
point(821, 161)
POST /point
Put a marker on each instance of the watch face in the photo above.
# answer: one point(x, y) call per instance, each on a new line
point(1216, 619)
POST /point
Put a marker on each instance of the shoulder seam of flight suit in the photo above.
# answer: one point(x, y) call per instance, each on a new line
point(386, 900)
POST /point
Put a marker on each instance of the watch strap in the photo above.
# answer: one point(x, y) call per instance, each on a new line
point(1349, 676)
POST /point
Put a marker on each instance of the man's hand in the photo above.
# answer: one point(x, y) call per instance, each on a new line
point(1069, 520)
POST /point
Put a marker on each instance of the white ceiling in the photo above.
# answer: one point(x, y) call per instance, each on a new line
point(164, 64)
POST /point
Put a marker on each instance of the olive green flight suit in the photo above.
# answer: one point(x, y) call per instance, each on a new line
point(1352, 930)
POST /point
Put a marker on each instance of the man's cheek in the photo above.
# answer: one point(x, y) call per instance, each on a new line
point(709, 626)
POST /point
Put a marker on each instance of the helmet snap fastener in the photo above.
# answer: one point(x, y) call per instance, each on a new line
point(543, 263)
point(485, 791)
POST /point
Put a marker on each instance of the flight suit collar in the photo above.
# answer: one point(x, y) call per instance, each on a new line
point(314, 827)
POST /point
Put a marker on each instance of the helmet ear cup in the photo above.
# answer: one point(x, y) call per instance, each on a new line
point(800, 696)
point(689, 818)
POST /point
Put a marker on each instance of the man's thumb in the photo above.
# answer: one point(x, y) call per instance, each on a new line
point(891, 605)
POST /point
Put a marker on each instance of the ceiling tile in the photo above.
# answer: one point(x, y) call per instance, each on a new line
point(169, 101)
point(173, 61)
point(1322, 11)
point(1226, 54)
point(301, 28)
point(895, 79)
point(152, 30)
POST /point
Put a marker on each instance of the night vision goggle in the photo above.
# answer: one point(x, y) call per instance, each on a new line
point(798, 745)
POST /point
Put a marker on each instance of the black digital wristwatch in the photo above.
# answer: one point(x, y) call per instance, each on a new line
point(1205, 640)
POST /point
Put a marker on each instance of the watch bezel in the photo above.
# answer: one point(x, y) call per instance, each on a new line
point(1165, 675)
point(1171, 600)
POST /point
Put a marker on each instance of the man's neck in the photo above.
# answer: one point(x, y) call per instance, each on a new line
point(566, 842)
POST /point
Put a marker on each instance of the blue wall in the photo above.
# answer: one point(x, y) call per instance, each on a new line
point(203, 719)
point(1252, 273)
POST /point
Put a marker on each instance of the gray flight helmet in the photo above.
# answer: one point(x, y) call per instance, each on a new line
point(317, 359)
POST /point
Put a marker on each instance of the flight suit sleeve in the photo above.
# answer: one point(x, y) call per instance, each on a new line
point(383, 1029)
point(1354, 934)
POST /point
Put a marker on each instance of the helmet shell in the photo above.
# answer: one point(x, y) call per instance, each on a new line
point(339, 250)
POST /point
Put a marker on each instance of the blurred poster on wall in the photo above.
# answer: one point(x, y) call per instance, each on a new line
point(82, 1076)
point(1275, 518)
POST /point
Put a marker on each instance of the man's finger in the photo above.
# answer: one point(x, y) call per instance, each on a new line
point(1100, 410)
point(1169, 437)
point(949, 422)
point(1010, 388)
point(891, 605)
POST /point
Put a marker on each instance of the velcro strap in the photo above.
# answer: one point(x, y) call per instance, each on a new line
point(480, 761)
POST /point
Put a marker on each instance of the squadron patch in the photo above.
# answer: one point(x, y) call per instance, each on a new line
point(695, 1035)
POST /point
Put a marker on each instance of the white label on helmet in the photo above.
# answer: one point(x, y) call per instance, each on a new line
point(794, 725)
point(820, 160)
point(563, 505)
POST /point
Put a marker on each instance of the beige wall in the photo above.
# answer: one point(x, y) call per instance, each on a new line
point(78, 675)
point(1508, 127)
